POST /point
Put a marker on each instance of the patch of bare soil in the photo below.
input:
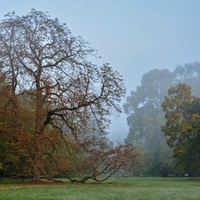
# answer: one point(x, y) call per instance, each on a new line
point(43, 183)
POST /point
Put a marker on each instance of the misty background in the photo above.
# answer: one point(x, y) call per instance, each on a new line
point(134, 36)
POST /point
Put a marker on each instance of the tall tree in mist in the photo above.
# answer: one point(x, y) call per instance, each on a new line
point(145, 118)
point(190, 75)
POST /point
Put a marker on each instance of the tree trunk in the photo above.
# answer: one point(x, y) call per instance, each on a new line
point(37, 164)
point(39, 129)
point(36, 177)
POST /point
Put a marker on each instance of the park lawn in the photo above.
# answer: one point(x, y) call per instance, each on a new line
point(139, 188)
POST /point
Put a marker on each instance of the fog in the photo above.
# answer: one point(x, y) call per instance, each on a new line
point(134, 36)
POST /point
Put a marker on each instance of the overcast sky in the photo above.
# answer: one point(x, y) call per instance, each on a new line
point(134, 36)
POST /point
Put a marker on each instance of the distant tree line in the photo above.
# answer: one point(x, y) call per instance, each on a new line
point(164, 120)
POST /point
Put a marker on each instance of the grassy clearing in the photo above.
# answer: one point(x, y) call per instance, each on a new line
point(135, 188)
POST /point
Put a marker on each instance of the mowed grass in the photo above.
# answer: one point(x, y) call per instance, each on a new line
point(141, 188)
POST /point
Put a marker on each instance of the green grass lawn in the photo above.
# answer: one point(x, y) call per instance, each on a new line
point(143, 188)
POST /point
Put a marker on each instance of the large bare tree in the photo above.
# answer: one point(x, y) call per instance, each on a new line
point(49, 69)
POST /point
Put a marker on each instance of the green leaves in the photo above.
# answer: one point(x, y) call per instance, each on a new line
point(182, 127)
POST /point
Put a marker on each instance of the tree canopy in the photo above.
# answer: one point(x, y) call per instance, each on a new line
point(55, 95)
point(182, 111)
point(188, 74)
point(145, 118)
